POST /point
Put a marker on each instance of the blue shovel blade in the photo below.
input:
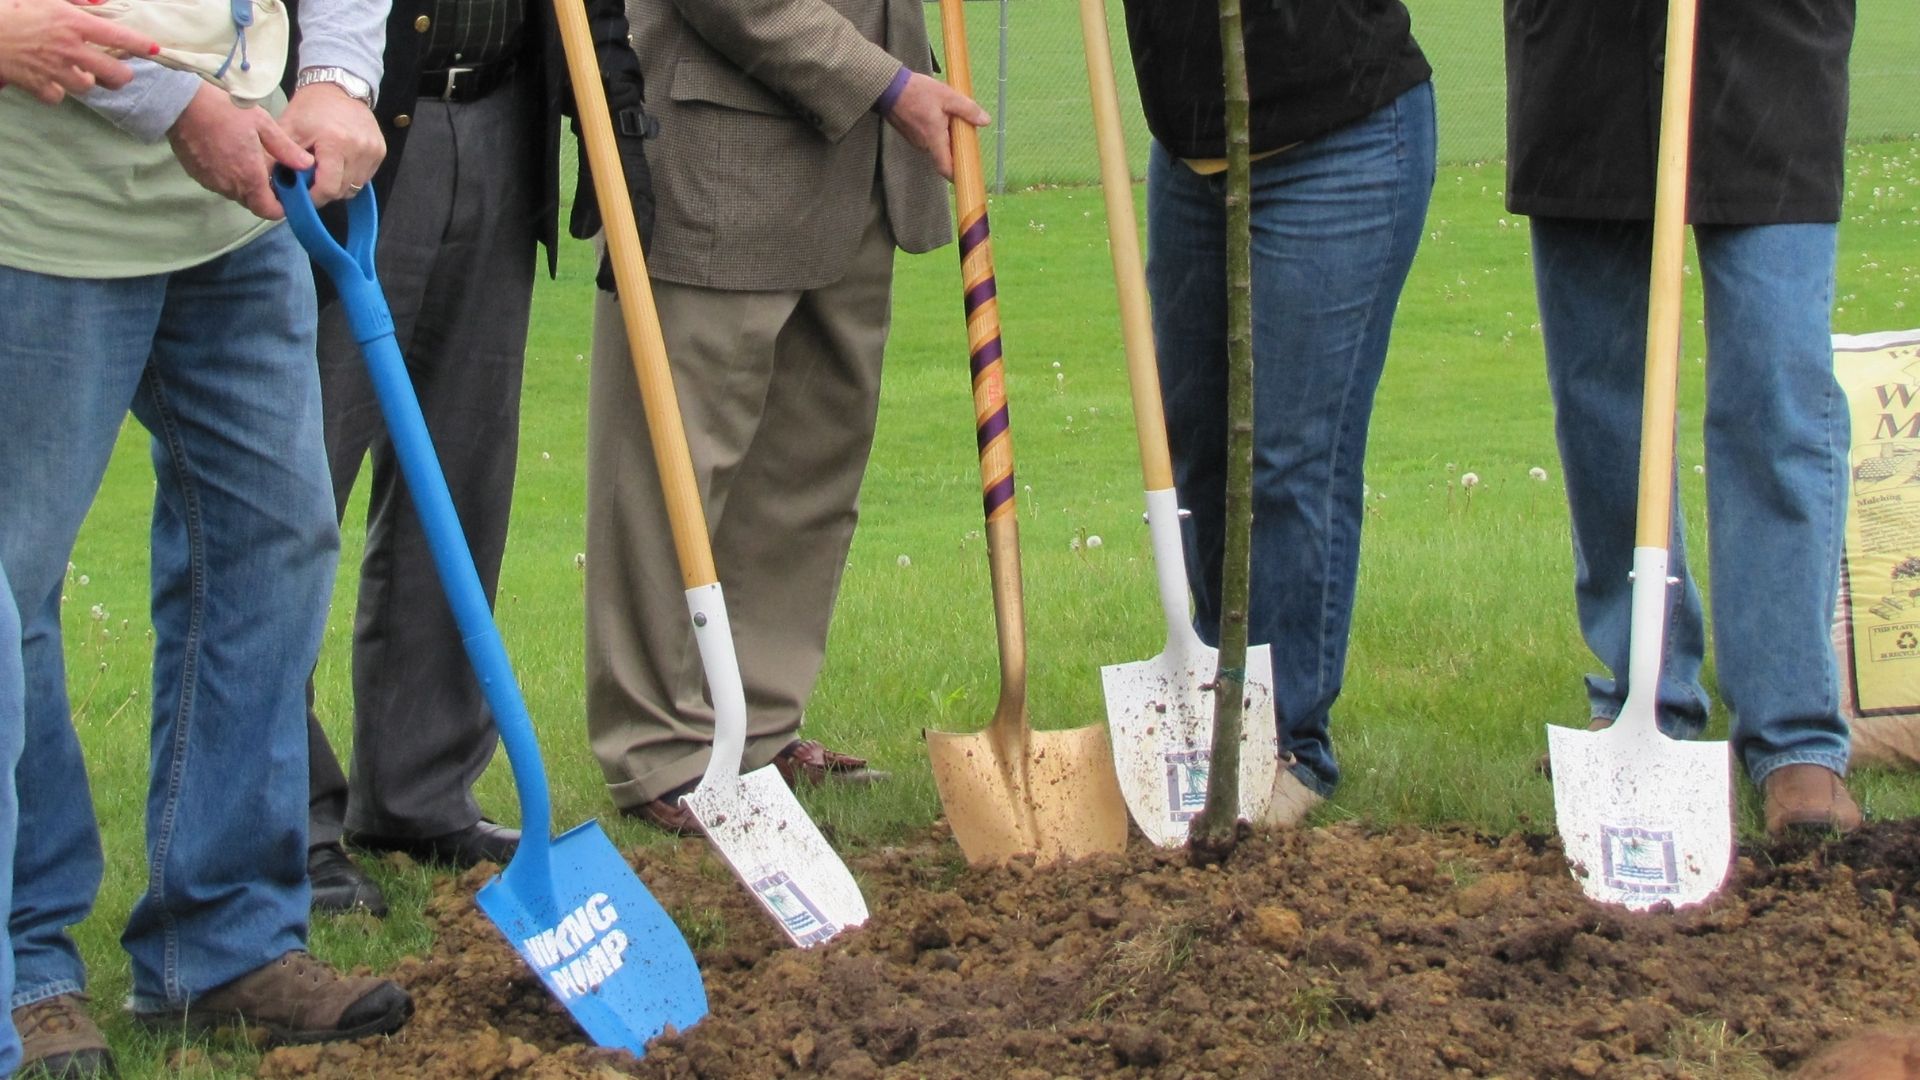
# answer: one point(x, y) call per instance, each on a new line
point(601, 943)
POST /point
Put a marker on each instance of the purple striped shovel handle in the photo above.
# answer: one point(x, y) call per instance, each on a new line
point(1009, 790)
point(990, 420)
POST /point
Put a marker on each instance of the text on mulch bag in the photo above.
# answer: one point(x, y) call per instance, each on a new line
point(583, 951)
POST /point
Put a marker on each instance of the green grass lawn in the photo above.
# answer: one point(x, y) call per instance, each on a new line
point(1464, 642)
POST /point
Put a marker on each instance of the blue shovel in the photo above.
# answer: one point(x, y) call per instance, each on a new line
point(571, 906)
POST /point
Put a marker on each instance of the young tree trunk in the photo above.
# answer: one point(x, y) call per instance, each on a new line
point(1215, 831)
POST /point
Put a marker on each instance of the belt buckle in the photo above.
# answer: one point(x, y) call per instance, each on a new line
point(453, 75)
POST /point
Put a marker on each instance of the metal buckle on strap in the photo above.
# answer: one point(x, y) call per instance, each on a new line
point(453, 78)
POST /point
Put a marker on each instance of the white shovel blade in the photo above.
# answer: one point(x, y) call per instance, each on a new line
point(762, 832)
point(1644, 819)
point(1162, 724)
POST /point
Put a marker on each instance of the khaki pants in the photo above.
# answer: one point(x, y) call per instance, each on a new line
point(779, 393)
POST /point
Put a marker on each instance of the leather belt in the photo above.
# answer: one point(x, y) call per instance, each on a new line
point(464, 84)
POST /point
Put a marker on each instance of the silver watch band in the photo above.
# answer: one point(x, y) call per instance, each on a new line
point(353, 85)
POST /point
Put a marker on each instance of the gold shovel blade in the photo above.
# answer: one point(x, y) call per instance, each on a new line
point(1061, 802)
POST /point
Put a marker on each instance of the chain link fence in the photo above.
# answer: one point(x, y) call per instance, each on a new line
point(1043, 131)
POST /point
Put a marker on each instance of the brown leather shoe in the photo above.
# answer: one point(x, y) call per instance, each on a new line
point(1808, 798)
point(665, 813)
point(805, 759)
point(1545, 765)
point(59, 1040)
point(295, 999)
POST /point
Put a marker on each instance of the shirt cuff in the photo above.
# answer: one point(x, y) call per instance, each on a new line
point(884, 104)
point(147, 107)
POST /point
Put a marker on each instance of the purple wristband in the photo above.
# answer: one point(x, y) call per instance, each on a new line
point(891, 94)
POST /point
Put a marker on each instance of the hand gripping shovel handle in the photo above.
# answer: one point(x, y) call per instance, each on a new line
point(1654, 519)
point(992, 428)
point(706, 605)
point(352, 269)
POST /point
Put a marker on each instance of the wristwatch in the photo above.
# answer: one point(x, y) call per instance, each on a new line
point(354, 86)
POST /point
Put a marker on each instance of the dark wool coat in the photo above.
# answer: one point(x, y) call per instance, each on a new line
point(1769, 117)
point(1312, 66)
point(540, 46)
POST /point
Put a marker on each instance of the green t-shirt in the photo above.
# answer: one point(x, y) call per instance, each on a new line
point(80, 198)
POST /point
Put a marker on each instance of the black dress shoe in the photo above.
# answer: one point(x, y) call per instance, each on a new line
point(482, 841)
point(339, 886)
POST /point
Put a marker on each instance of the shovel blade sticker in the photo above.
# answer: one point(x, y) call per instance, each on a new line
point(1186, 783)
point(802, 919)
point(1642, 861)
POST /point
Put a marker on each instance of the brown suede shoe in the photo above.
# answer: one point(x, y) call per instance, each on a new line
point(295, 999)
point(58, 1041)
point(809, 761)
point(1545, 765)
point(1808, 798)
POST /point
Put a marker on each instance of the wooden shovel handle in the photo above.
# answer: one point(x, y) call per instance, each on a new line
point(992, 427)
point(1654, 524)
point(1123, 239)
point(644, 340)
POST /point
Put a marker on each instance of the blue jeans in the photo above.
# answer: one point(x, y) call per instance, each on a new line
point(1777, 439)
point(1335, 224)
point(12, 733)
point(217, 363)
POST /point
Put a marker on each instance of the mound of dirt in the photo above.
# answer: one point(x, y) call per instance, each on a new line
point(1333, 952)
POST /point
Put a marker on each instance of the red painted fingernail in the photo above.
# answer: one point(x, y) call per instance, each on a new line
point(152, 50)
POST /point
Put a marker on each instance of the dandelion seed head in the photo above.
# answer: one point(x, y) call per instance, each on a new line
point(1537, 473)
point(1468, 480)
point(903, 561)
point(579, 560)
point(1094, 541)
point(84, 579)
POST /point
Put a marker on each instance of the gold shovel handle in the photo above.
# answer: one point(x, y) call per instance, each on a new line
point(1123, 239)
point(1654, 523)
point(644, 340)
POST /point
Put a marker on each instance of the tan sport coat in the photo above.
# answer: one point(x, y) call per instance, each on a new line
point(768, 149)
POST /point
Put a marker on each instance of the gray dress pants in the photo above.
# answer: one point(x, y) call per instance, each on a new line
point(456, 257)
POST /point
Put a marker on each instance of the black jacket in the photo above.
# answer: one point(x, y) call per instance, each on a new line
point(1769, 115)
point(1312, 66)
point(540, 45)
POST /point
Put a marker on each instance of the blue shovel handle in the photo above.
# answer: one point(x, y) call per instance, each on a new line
point(352, 269)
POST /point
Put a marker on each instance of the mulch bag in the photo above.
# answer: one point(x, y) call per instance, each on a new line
point(1876, 625)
